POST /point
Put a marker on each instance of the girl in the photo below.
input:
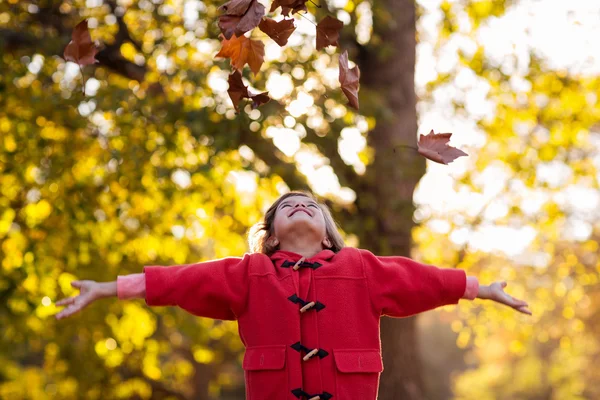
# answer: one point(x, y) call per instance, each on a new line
point(308, 308)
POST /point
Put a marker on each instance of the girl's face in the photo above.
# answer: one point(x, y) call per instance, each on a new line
point(299, 216)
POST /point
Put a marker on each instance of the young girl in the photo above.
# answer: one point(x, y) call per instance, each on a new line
point(307, 307)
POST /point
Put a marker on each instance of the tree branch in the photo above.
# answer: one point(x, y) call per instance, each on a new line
point(267, 151)
point(123, 32)
point(109, 57)
point(12, 40)
point(327, 145)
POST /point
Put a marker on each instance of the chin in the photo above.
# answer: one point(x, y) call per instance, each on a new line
point(303, 224)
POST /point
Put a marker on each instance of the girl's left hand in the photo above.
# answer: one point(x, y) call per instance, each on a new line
point(496, 293)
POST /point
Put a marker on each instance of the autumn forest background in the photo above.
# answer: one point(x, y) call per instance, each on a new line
point(153, 166)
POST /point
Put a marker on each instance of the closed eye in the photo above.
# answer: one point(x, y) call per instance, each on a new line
point(310, 205)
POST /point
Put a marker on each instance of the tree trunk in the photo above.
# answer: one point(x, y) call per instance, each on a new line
point(387, 69)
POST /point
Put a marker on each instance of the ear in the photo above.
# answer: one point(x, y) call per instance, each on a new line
point(327, 243)
point(273, 241)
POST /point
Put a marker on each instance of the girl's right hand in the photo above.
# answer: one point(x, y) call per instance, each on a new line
point(88, 292)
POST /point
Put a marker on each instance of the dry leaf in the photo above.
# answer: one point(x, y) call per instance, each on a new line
point(236, 7)
point(259, 99)
point(349, 79)
point(328, 32)
point(228, 25)
point(289, 6)
point(251, 18)
point(81, 50)
point(233, 24)
point(278, 31)
point(255, 54)
point(238, 91)
point(242, 50)
point(436, 148)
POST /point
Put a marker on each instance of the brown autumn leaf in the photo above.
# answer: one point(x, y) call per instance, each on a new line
point(349, 79)
point(81, 50)
point(278, 31)
point(289, 6)
point(228, 25)
point(238, 91)
point(241, 50)
point(328, 32)
point(259, 99)
point(233, 24)
point(436, 148)
point(251, 18)
point(235, 7)
point(256, 54)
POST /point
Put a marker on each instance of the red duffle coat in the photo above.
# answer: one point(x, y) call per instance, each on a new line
point(350, 289)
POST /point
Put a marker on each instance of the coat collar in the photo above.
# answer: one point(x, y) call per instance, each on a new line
point(282, 255)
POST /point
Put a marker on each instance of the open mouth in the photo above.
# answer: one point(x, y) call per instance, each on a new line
point(299, 210)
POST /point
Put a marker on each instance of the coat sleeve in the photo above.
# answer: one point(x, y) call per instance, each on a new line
point(132, 286)
point(401, 287)
point(214, 289)
point(472, 289)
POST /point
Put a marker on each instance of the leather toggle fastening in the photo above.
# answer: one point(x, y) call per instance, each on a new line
point(309, 352)
point(316, 305)
point(301, 394)
point(303, 264)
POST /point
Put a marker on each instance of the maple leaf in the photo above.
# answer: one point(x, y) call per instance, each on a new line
point(328, 32)
point(259, 99)
point(238, 91)
point(234, 24)
point(278, 31)
point(289, 6)
point(251, 18)
point(241, 50)
point(236, 7)
point(255, 54)
point(228, 25)
point(435, 147)
point(81, 50)
point(349, 79)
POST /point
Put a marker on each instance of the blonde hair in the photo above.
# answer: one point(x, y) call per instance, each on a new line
point(260, 232)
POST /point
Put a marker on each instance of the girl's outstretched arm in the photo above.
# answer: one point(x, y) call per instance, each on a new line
point(214, 289)
point(89, 291)
point(495, 292)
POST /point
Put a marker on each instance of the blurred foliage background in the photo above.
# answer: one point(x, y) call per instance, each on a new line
point(152, 166)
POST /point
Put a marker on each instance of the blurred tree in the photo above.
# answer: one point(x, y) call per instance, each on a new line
point(525, 201)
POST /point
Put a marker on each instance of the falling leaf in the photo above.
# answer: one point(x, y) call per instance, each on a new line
point(278, 31)
point(328, 32)
point(238, 91)
point(435, 147)
point(232, 24)
point(259, 99)
point(236, 7)
point(349, 79)
point(251, 18)
point(242, 50)
point(228, 25)
point(255, 54)
point(289, 6)
point(81, 50)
